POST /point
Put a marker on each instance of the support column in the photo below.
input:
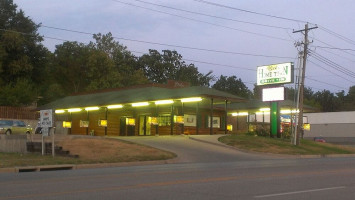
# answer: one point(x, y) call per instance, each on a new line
point(182, 113)
point(106, 111)
point(197, 117)
point(156, 115)
point(211, 118)
point(225, 117)
point(87, 118)
point(172, 120)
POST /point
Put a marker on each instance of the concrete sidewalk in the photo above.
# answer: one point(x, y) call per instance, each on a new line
point(210, 139)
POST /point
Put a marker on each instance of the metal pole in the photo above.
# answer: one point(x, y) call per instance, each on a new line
point(211, 118)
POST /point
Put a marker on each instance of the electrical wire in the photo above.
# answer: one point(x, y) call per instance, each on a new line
point(337, 35)
point(248, 11)
point(334, 48)
point(308, 78)
point(184, 59)
point(172, 45)
point(213, 16)
point(343, 57)
point(331, 72)
point(205, 22)
point(332, 64)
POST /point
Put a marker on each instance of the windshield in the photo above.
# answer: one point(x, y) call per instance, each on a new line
point(5, 122)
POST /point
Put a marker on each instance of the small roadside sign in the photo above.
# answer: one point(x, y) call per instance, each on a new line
point(46, 118)
point(45, 131)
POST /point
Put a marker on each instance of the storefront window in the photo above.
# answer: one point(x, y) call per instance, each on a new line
point(164, 120)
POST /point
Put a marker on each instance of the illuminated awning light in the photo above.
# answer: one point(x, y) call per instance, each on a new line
point(289, 111)
point(114, 106)
point(91, 108)
point(240, 114)
point(140, 104)
point(264, 109)
point(59, 111)
point(169, 101)
point(192, 99)
point(74, 109)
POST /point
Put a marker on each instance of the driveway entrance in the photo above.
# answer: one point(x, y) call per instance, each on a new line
point(189, 150)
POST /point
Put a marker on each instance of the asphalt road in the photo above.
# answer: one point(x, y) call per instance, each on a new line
point(229, 174)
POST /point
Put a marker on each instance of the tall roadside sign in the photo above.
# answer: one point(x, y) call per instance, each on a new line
point(272, 78)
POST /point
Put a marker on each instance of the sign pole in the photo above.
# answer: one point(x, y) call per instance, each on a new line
point(274, 120)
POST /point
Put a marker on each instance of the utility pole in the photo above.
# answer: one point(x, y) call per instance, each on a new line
point(299, 128)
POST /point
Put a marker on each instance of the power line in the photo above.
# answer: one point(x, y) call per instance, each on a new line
point(332, 64)
point(184, 59)
point(338, 35)
point(213, 16)
point(334, 48)
point(171, 45)
point(209, 63)
point(331, 72)
point(324, 82)
point(248, 11)
point(205, 22)
point(343, 57)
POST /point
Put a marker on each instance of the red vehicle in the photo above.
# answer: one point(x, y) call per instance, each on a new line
point(319, 139)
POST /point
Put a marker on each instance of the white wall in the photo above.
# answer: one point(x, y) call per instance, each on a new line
point(331, 117)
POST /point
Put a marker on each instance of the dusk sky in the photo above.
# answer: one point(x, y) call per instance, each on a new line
point(225, 36)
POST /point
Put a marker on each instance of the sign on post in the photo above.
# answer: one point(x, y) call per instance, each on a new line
point(275, 74)
point(46, 118)
point(46, 122)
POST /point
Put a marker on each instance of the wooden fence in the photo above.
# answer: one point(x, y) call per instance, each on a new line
point(18, 113)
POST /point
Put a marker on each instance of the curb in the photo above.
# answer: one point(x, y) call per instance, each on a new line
point(275, 155)
point(81, 166)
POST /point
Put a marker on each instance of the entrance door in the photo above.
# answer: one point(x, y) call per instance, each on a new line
point(126, 129)
point(144, 125)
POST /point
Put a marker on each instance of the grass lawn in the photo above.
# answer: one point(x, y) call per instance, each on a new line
point(283, 146)
point(89, 150)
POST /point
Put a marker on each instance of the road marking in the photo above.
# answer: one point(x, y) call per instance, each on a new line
point(299, 192)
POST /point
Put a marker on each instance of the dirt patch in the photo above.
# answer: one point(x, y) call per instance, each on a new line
point(111, 150)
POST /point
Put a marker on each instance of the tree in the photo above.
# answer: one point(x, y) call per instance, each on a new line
point(70, 67)
point(22, 57)
point(232, 85)
point(327, 100)
point(159, 68)
point(124, 62)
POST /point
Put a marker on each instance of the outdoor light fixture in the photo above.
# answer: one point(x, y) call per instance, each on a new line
point(74, 109)
point(140, 104)
point(264, 109)
point(192, 99)
point(59, 111)
point(229, 127)
point(102, 122)
point(240, 114)
point(66, 124)
point(289, 111)
point(160, 102)
point(91, 108)
point(114, 106)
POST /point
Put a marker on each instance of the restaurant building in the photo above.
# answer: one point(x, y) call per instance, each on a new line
point(154, 109)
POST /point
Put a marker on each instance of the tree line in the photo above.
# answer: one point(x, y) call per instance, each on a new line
point(29, 72)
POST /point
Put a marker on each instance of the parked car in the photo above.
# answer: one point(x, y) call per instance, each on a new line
point(319, 139)
point(9, 127)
